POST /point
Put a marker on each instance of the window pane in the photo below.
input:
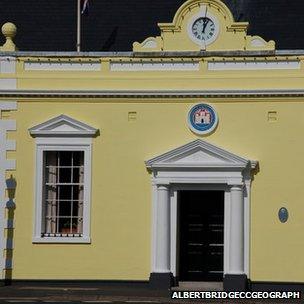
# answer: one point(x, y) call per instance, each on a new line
point(65, 175)
point(65, 208)
point(65, 158)
point(51, 174)
point(78, 158)
point(65, 225)
point(64, 192)
point(76, 190)
point(76, 175)
point(77, 225)
point(77, 208)
point(50, 171)
point(51, 158)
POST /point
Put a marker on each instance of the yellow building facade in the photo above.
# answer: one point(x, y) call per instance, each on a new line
point(179, 161)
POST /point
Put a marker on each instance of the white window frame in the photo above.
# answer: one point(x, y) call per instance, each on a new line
point(63, 144)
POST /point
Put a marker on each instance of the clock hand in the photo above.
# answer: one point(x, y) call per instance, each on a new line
point(205, 25)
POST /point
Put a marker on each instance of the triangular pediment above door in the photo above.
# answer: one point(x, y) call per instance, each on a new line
point(199, 153)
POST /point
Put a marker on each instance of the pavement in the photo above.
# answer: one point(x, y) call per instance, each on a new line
point(126, 294)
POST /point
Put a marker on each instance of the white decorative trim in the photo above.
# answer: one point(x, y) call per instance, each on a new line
point(64, 240)
point(254, 65)
point(62, 126)
point(8, 65)
point(219, 169)
point(258, 42)
point(154, 66)
point(8, 105)
point(149, 43)
point(203, 13)
point(8, 83)
point(5, 164)
point(63, 133)
point(162, 249)
point(53, 141)
point(199, 154)
point(174, 245)
point(247, 197)
point(236, 235)
point(60, 146)
point(154, 225)
point(62, 66)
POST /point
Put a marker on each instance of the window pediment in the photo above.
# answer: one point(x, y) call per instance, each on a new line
point(63, 126)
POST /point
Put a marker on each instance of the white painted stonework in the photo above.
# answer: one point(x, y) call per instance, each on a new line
point(8, 83)
point(5, 164)
point(153, 66)
point(253, 65)
point(258, 42)
point(62, 125)
point(200, 165)
point(149, 43)
point(7, 65)
point(62, 66)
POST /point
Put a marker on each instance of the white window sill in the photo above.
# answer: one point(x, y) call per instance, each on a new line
point(67, 240)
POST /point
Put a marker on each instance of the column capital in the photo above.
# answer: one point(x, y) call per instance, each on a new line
point(163, 186)
point(238, 187)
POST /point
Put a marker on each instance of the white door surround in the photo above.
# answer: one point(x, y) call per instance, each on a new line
point(200, 165)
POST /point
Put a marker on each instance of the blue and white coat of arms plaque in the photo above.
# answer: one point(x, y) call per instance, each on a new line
point(202, 119)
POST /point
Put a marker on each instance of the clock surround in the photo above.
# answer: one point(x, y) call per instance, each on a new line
point(206, 20)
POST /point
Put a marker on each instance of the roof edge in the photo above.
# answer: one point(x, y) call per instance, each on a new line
point(154, 54)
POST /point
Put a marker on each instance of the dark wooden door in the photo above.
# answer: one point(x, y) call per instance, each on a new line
point(201, 226)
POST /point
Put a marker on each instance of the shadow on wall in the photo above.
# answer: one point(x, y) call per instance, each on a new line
point(11, 185)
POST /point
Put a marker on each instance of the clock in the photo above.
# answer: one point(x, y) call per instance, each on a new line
point(203, 28)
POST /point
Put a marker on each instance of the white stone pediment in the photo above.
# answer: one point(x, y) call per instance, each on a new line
point(198, 156)
point(62, 126)
point(199, 153)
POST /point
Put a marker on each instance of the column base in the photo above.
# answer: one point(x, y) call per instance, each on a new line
point(161, 280)
point(235, 282)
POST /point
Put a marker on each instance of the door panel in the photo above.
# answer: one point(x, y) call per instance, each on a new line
point(201, 226)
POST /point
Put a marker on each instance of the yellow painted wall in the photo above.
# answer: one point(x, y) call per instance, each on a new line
point(164, 80)
point(121, 189)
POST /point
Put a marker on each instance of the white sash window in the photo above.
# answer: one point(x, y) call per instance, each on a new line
point(63, 188)
point(63, 181)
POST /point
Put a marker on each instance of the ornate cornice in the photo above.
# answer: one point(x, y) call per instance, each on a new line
point(151, 93)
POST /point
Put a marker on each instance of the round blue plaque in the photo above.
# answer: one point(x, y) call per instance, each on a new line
point(202, 119)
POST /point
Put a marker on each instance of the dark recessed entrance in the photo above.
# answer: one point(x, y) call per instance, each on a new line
point(201, 233)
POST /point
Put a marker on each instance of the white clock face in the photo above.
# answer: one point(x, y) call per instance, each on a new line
point(203, 28)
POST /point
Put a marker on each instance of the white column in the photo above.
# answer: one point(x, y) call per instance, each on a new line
point(162, 230)
point(236, 238)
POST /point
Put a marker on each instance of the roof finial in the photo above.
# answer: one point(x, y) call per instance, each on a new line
point(9, 31)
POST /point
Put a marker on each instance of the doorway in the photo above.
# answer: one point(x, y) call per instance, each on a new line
point(201, 235)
